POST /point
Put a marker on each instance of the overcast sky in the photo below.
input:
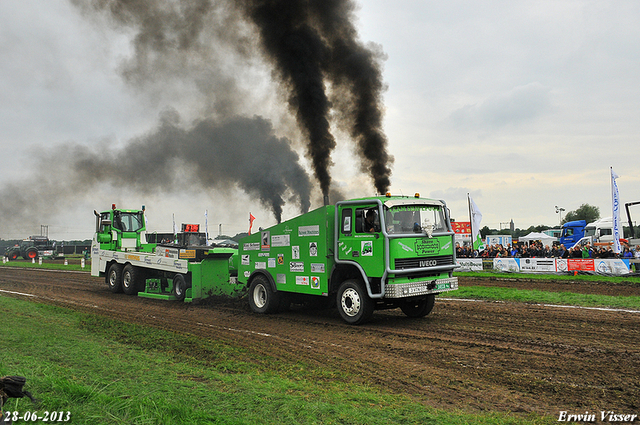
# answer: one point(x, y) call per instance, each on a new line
point(524, 104)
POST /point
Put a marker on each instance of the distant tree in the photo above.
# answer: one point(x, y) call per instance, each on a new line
point(586, 212)
point(486, 231)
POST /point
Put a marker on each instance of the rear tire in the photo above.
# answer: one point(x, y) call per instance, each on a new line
point(31, 254)
point(114, 278)
point(353, 302)
point(263, 299)
point(130, 280)
point(180, 287)
point(418, 307)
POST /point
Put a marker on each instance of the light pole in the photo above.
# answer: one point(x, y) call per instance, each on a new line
point(559, 211)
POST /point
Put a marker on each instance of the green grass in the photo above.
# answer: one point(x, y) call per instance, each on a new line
point(104, 371)
point(545, 297)
point(74, 265)
point(628, 280)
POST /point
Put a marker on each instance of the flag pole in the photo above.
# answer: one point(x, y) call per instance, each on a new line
point(470, 219)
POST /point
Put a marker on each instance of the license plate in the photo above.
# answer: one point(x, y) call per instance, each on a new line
point(441, 286)
point(417, 289)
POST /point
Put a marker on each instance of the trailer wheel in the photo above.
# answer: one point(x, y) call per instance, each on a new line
point(354, 304)
point(262, 298)
point(114, 278)
point(130, 280)
point(418, 307)
point(179, 287)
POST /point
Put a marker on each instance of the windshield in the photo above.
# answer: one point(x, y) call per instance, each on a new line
point(128, 221)
point(413, 218)
point(589, 231)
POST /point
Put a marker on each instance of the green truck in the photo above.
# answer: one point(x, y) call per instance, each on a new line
point(362, 254)
point(366, 254)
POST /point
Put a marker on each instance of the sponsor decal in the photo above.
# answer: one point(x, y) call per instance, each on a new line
point(280, 259)
point(280, 240)
point(317, 267)
point(446, 246)
point(427, 246)
point(177, 264)
point(287, 229)
point(296, 266)
point(366, 248)
point(302, 280)
point(313, 249)
point(405, 247)
point(315, 282)
point(147, 260)
point(295, 252)
point(281, 278)
point(309, 230)
point(245, 260)
point(132, 257)
point(247, 273)
point(263, 254)
point(271, 263)
point(260, 265)
point(187, 253)
point(264, 240)
point(251, 246)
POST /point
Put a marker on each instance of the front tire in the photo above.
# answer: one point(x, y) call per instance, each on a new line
point(353, 302)
point(114, 278)
point(263, 299)
point(418, 307)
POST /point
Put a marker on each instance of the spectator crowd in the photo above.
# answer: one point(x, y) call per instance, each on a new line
point(536, 249)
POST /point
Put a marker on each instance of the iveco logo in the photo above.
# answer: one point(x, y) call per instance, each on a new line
point(428, 263)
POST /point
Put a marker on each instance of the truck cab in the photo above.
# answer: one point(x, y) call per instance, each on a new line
point(122, 230)
point(572, 232)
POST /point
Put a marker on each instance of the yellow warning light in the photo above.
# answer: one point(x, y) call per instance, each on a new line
point(388, 194)
point(417, 195)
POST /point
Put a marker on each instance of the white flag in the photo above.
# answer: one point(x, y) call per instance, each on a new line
point(476, 219)
point(615, 204)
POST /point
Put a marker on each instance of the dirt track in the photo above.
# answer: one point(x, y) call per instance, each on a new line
point(467, 355)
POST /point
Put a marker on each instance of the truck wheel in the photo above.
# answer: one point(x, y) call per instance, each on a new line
point(418, 307)
point(130, 280)
point(262, 298)
point(354, 304)
point(114, 278)
point(31, 254)
point(179, 287)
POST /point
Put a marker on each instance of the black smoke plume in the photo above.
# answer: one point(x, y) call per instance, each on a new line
point(314, 41)
point(172, 158)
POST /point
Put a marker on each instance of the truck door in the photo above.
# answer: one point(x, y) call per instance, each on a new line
point(360, 238)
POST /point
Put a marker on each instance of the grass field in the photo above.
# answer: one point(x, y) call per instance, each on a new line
point(104, 371)
point(545, 297)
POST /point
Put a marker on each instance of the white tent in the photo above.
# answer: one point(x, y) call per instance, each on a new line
point(534, 236)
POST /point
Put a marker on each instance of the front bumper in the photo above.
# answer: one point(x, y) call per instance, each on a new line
point(424, 287)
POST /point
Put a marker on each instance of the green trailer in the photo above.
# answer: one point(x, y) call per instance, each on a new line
point(364, 254)
point(175, 270)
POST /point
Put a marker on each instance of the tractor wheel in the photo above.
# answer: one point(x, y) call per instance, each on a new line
point(114, 278)
point(131, 279)
point(262, 298)
point(31, 254)
point(354, 304)
point(180, 286)
point(418, 307)
point(13, 255)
